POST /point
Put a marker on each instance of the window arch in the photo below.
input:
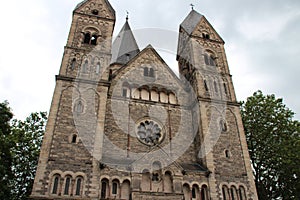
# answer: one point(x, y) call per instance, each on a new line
point(168, 182)
point(79, 107)
point(242, 193)
point(104, 188)
point(90, 38)
point(74, 138)
point(205, 86)
point(67, 185)
point(115, 187)
point(73, 63)
point(151, 72)
point(87, 38)
point(216, 87)
point(204, 192)
point(227, 153)
point(98, 68)
point(78, 190)
point(195, 191)
point(225, 192)
point(85, 66)
point(209, 59)
point(146, 71)
point(94, 40)
point(55, 184)
point(223, 125)
point(233, 193)
point(225, 88)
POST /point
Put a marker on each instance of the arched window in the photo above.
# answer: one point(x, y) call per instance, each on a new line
point(227, 154)
point(204, 193)
point(84, 66)
point(79, 107)
point(223, 125)
point(78, 186)
point(87, 38)
point(146, 71)
point(233, 193)
point(104, 188)
point(242, 193)
point(205, 86)
point(74, 138)
point(225, 193)
point(194, 193)
point(151, 72)
point(216, 86)
point(94, 40)
point(67, 186)
point(73, 63)
point(205, 36)
point(209, 59)
point(225, 88)
point(115, 188)
point(55, 184)
point(98, 68)
point(168, 182)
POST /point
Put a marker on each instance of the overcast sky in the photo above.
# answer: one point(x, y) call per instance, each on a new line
point(262, 42)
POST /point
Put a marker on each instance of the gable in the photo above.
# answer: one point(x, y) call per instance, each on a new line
point(205, 28)
point(101, 8)
point(149, 58)
point(158, 77)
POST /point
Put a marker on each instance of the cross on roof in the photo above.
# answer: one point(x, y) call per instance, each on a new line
point(127, 13)
point(192, 5)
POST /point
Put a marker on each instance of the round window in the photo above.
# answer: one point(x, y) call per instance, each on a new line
point(149, 132)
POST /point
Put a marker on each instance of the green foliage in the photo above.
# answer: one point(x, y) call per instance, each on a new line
point(5, 155)
point(273, 139)
point(27, 136)
point(19, 152)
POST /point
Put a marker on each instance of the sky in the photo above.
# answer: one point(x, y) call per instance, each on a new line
point(262, 43)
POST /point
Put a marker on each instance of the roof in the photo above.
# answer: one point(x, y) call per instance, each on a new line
point(106, 1)
point(191, 21)
point(124, 46)
point(196, 167)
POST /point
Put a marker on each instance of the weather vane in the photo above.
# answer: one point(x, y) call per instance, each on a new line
point(192, 5)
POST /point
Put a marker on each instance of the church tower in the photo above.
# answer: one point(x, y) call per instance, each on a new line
point(223, 148)
point(123, 126)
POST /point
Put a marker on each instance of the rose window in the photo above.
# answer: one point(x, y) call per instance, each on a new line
point(149, 133)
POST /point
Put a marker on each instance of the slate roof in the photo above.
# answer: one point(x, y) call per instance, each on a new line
point(191, 21)
point(194, 167)
point(124, 47)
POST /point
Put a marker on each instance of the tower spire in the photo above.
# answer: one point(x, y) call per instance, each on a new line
point(124, 46)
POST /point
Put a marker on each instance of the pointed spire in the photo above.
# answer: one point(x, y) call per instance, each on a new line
point(191, 21)
point(124, 47)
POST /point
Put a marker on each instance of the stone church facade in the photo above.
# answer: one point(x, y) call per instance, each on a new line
point(123, 126)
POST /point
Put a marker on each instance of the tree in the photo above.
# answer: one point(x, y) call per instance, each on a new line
point(273, 139)
point(27, 136)
point(5, 154)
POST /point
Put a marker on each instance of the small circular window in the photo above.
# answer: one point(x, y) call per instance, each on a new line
point(149, 132)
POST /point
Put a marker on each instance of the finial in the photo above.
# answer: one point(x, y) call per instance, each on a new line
point(192, 5)
point(127, 13)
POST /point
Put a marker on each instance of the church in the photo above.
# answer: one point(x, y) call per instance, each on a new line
point(123, 126)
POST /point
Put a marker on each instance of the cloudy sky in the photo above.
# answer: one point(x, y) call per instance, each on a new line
point(262, 44)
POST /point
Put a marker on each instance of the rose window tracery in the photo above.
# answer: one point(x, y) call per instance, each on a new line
point(149, 132)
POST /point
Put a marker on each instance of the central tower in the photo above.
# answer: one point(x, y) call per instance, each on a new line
point(123, 126)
